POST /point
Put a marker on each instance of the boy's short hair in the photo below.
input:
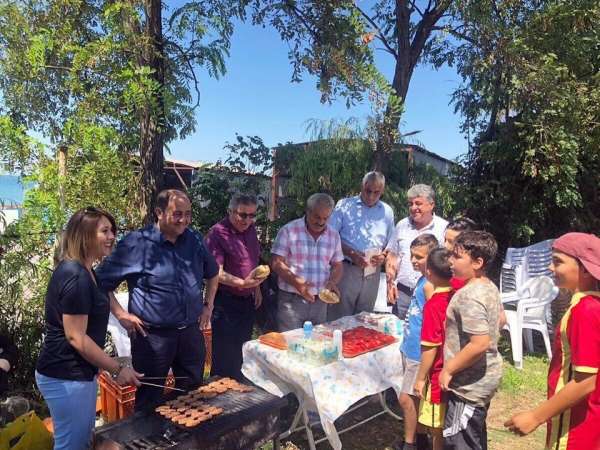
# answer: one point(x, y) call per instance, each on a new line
point(478, 244)
point(461, 224)
point(425, 240)
point(438, 261)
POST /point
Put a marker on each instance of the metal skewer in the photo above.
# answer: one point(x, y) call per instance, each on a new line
point(164, 378)
point(162, 387)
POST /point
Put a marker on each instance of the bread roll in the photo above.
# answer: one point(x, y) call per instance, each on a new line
point(262, 271)
point(328, 296)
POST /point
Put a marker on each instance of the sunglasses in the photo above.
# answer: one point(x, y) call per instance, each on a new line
point(245, 216)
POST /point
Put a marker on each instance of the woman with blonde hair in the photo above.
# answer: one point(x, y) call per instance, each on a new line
point(76, 316)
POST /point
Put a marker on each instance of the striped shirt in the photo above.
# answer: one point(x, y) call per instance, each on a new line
point(306, 256)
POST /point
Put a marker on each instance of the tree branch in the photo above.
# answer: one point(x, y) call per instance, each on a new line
point(380, 34)
point(428, 9)
point(190, 66)
point(65, 68)
point(424, 29)
point(296, 12)
point(455, 33)
point(415, 7)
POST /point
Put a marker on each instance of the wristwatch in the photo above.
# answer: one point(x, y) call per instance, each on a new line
point(115, 373)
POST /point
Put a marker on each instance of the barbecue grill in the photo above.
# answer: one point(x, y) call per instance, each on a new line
point(248, 420)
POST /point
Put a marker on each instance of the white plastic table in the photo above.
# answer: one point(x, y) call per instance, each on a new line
point(327, 389)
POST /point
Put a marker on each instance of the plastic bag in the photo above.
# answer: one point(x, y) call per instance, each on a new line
point(26, 432)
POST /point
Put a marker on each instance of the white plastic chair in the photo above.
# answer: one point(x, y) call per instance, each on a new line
point(533, 304)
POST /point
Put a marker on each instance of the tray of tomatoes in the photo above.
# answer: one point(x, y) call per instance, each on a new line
point(359, 340)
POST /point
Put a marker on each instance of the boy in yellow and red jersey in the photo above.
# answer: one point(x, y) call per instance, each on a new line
point(427, 387)
point(573, 406)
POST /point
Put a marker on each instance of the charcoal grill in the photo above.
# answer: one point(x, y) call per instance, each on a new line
point(248, 421)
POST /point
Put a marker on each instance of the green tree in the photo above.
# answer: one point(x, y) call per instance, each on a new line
point(334, 41)
point(530, 99)
point(67, 66)
point(246, 169)
point(336, 159)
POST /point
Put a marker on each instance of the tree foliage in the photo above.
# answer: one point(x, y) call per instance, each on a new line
point(531, 99)
point(66, 66)
point(245, 170)
point(334, 41)
point(335, 161)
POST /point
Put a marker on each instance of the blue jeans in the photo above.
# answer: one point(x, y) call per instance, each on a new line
point(72, 406)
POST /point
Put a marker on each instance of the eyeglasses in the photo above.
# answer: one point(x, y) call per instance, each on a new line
point(177, 215)
point(245, 216)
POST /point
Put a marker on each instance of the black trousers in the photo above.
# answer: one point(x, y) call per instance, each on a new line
point(181, 350)
point(232, 322)
point(400, 308)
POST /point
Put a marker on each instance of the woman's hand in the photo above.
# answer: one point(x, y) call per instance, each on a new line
point(127, 377)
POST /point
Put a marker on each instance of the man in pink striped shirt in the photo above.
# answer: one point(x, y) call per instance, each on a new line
point(307, 257)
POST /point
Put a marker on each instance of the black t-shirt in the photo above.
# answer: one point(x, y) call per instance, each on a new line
point(71, 291)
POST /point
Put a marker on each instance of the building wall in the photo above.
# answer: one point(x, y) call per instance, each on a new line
point(8, 216)
point(441, 166)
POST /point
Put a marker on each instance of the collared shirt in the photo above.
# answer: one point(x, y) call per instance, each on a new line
point(164, 279)
point(576, 349)
point(433, 334)
point(411, 342)
point(404, 234)
point(362, 227)
point(306, 256)
point(236, 251)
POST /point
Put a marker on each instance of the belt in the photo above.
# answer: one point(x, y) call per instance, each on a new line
point(167, 327)
point(405, 289)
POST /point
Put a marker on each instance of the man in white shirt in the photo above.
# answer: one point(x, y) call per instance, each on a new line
point(401, 277)
point(366, 225)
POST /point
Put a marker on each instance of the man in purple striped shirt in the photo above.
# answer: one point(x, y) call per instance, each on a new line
point(234, 244)
point(307, 256)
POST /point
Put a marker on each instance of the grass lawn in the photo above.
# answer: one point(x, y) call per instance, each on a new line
point(520, 390)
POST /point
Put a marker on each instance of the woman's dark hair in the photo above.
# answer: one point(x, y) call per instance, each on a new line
point(438, 261)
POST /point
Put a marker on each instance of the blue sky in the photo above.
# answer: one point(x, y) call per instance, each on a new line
point(256, 97)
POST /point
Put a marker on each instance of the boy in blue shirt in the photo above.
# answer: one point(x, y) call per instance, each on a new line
point(411, 344)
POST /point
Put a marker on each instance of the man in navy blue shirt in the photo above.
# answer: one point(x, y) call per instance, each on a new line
point(164, 265)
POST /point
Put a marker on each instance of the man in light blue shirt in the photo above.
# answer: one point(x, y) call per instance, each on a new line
point(366, 225)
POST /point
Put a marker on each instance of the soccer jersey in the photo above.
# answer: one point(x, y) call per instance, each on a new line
point(576, 349)
point(433, 334)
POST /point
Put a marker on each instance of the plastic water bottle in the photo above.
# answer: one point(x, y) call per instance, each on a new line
point(308, 328)
point(337, 342)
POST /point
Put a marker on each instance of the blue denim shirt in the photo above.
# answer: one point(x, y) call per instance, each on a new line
point(164, 279)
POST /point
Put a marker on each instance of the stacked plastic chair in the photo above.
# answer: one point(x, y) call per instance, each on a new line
point(527, 289)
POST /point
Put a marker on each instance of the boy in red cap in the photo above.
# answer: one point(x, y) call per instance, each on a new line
point(573, 406)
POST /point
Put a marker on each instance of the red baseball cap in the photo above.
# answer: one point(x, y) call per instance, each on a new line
point(583, 247)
